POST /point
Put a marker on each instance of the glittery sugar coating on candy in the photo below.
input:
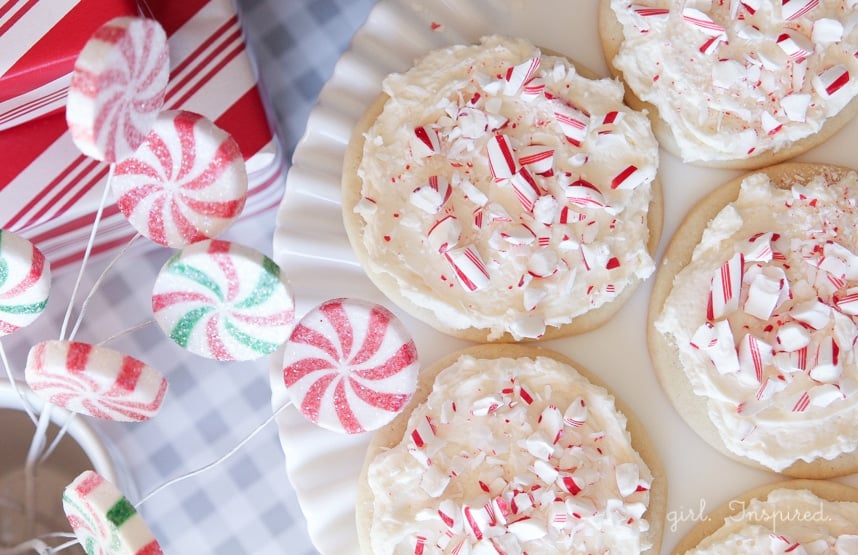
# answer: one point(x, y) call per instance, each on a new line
point(187, 182)
point(350, 366)
point(104, 521)
point(25, 282)
point(223, 301)
point(118, 87)
point(96, 381)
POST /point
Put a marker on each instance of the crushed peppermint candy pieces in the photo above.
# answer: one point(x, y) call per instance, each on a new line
point(517, 162)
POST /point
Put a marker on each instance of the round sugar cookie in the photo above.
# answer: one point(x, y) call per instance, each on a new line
point(464, 489)
point(509, 198)
point(797, 64)
point(741, 323)
point(789, 524)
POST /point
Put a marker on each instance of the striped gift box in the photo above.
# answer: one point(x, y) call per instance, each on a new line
point(50, 192)
point(40, 41)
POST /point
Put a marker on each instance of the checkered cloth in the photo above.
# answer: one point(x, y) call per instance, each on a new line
point(246, 504)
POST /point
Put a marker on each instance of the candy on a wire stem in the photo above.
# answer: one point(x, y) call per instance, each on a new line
point(117, 87)
point(25, 282)
point(104, 521)
point(95, 381)
point(350, 365)
point(223, 301)
point(187, 182)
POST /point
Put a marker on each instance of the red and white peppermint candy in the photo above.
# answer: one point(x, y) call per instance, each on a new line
point(759, 248)
point(117, 87)
point(702, 22)
point(848, 303)
point(187, 181)
point(517, 76)
point(431, 197)
point(647, 11)
point(533, 89)
point(104, 521)
point(526, 189)
point(539, 159)
point(95, 381)
point(25, 282)
point(629, 179)
point(223, 301)
point(350, 365)
point(726, 288)
point(444, 234)
point(469, 267)
point(502, 162)
point(426, 142)
point(585, 194)
point(573, 122)
point(832, 80)
point(794, 9)
point(795, 45)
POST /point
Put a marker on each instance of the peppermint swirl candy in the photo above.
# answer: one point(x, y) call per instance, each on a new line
point(187, 182)
point(25, 281)
point(104, 521)
point(223, 301)
point(350, 366)
point(95, 381)
point(117, 87)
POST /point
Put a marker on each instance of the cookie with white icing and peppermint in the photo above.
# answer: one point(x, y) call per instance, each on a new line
point(736, 84)
point(754, 317)
point(497, 194)
point(796, 516)
point(514, 449)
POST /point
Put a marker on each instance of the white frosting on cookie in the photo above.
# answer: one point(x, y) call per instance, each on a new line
point(764, 318)
point(511, 456)
point(736, 78)
point(788, 521)
point(503, 191)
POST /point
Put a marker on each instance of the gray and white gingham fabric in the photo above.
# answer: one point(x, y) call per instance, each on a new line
point(246, 504)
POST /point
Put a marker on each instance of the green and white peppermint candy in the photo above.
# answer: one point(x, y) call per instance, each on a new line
point(104, 521)
point(224, 301)
point(25, 281)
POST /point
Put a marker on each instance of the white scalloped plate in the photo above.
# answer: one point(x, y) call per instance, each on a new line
point(311, 246)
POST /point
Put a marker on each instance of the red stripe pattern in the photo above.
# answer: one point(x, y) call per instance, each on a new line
point(104, 521)
point(95, 381)
point(25, 282)
point(350, 366)
point(118, 87)
point(187, 182)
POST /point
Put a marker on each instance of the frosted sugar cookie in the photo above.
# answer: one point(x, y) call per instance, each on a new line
point(736, 84)
point(753, 321)
point(797, 516)
point(497, 194)
point(512, 449)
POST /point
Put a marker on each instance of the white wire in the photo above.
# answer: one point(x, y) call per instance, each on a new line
point(217, 461)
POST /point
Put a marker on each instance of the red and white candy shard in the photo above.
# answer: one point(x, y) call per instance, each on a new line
point(117, 87)
point(187, 182)
point(350, 366)
point(95, 381)
point(25, 282)
point(104, 521)
point(223, 301)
